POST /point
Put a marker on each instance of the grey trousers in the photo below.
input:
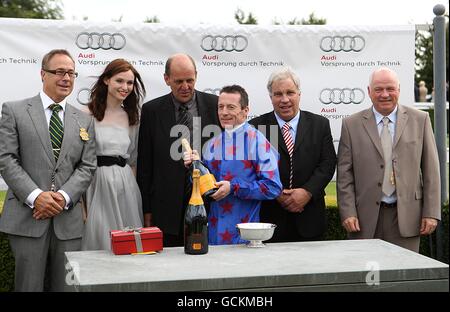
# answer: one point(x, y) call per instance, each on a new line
point(31, 256)
point(387, 229)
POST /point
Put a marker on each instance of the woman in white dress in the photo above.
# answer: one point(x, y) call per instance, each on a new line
point(113, 199)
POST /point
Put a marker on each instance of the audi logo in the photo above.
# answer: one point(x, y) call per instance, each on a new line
point(226, 43)
point(342, 43)
point(344, 96)
point(105, 41)
point(83, 96)
point(215, 91)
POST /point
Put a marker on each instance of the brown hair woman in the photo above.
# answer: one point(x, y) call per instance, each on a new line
point(113, 199)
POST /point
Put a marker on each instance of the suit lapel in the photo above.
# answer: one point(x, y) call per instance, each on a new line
point(208, 114)
point(402, 119)
point(37, 115)
point(203, 110)
point(304, 124)
point(71, 129)
point(272, 121)
point(167, 117)
point(370, 126)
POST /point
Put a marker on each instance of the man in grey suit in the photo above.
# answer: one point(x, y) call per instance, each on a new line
point(47, 159)
point(388, 183)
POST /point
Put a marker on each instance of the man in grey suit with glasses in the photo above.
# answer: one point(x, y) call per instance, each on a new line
point(47, 159)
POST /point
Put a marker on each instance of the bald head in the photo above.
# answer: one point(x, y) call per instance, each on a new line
point(384, 90)
point(384, 72)
point(180, 75)
point(179, 60)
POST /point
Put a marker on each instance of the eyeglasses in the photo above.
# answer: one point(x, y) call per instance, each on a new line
point(62, 72)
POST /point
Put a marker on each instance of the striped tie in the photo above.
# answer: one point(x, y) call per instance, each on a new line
point(287, 136)
point(185, 118)
point(56, 130)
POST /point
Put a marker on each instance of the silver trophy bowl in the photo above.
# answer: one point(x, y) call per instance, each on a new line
point(256, 233)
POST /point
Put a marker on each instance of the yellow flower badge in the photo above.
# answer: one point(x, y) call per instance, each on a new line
point(84, 135)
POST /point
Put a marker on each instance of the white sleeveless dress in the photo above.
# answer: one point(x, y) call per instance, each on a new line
point(113, 199)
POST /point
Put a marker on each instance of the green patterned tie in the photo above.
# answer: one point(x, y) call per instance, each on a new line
point(56, 130)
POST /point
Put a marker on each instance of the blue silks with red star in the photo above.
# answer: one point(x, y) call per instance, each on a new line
point(246, 159)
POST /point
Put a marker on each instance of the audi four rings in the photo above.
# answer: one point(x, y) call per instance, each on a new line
point(83, 96)
point(344, 96)
point(226, 43)
point(105, 41)
point(342, 43)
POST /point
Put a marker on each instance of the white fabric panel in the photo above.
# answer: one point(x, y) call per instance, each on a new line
point(23, 42)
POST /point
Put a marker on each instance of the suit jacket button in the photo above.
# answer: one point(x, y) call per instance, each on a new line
point(378, 203)
point(379, 184)
point(381, 166)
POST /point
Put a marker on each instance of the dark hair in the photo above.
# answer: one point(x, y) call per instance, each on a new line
point(170, 59)
point(238, 90)
point(47, 57)
point(97, 102)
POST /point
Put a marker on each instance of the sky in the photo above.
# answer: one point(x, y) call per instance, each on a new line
point(337, 12)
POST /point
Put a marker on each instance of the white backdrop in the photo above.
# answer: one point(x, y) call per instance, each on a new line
point(324, 57)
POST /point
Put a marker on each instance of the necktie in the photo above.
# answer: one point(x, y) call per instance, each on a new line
point(185, 118)
point(386, 142)
point(56, 130)
point(287, 136)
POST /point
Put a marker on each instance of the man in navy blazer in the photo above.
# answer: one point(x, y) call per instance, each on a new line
point(307, 161)
point(161, 176)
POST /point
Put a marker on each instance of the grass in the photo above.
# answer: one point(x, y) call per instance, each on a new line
point(2, 200)
point(330, 191)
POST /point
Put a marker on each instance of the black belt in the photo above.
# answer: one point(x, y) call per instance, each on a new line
point(386, 205)
point(111, 161)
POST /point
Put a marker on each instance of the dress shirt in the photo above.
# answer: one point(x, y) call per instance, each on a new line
point(379, 120)
point(46, 102)
point(293, 123)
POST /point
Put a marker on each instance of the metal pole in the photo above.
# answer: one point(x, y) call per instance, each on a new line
point(440, 115)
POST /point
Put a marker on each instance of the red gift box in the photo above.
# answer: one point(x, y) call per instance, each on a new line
point(133, 240)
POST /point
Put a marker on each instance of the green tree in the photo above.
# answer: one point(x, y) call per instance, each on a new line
point(275, 21)
point(424, 57)
point(118, 20)
point(312, 20)
point(241, 18)
point(44, 9)
point(153, 19)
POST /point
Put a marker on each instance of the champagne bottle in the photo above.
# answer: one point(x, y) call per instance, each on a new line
point(195, 221)
point(207, 181)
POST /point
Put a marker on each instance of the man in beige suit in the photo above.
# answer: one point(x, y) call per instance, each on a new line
point(388, 183)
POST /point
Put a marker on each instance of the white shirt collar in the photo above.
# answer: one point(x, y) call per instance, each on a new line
point(392, 116)
point(47, 101)
point(293, 122)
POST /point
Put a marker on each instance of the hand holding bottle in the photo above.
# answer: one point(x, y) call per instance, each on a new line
point(223, 191)
point(207, 181)
point(189, 157)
